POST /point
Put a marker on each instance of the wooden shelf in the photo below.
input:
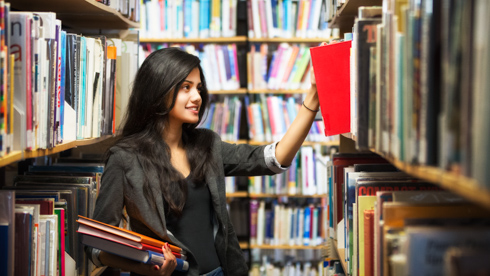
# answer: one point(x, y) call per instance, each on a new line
point(458, 184)
point(11, 158)
point(21, 155)
point(225, 92)
point(79, 13)
point(341, 254)
point(243, 245)
point(301, 247)
point(237, 194)
point(235, 39)
point(305, 143)
point(344, 17)
point(350, 136)
point(288, 40)
point(284, 195)
point(279, 91)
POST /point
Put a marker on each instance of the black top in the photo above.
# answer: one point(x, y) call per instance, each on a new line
point(195, 227)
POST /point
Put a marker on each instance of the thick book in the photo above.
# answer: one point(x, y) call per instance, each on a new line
point(144, 256)
point(128, 234)
point(332, 74)
point(87, 230)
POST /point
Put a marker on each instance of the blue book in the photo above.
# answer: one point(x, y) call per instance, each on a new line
point(274, 55)
point(307, 226)
point(204, 11)
point(187, 18)
point(143, 256)
point(62, 82)
point(4, 249)
point(224, 50)
point(231, 57)
point(83, 73)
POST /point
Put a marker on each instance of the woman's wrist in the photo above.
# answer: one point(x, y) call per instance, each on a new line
point(311, 100)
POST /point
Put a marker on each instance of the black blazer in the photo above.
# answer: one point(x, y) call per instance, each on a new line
point(122, 186)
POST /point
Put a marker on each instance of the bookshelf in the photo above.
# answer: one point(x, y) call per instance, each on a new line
point(458, 184)
point(417, 139)
point(340, 252)
point(236, 39)
point(106, 30)
point(227, 92)
point(345, 15)
point(278, 91)
point(89, 14)
point(286, 247)
point(17, 156)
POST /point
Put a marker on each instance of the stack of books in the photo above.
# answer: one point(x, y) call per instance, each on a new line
point(126, 243)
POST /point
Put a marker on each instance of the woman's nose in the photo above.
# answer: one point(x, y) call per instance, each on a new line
point(196, 97)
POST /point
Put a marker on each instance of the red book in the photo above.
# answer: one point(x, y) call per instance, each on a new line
point(46, 205)
point(332, 73)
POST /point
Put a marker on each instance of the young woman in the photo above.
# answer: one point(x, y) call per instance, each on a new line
point(169, 175)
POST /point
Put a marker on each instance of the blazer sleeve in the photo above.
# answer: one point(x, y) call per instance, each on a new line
point(249, 160)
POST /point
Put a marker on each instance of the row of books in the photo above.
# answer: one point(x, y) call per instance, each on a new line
point(65, 86)
point(73, 189)
point(305, 176)
point(389, 222)
point(332, 8)
point(269, 117)
point(418, 88)
point(128, 8)
point(287, 18)
point(270, 266)
point(286, 67)
point(224, 117)
point(36, 246)
point(188, 18)
point(273, 223)
point(219, 63)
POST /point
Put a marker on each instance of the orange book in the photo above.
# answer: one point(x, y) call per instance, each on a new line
point(127, 234)
point(368, 242)
point(289, 67)
point(112, 54)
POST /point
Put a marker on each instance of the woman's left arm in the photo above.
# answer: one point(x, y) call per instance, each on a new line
point(290, 143)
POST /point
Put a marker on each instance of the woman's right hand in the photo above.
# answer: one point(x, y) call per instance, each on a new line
point(168, 265)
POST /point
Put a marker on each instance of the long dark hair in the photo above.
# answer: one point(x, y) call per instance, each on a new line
point(153, 95)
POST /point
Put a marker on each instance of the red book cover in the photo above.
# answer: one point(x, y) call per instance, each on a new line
point(332, 74)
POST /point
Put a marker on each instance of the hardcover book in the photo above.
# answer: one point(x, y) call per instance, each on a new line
point(332, 73)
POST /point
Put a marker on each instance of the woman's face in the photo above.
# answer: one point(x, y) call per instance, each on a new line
point(188, 101)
